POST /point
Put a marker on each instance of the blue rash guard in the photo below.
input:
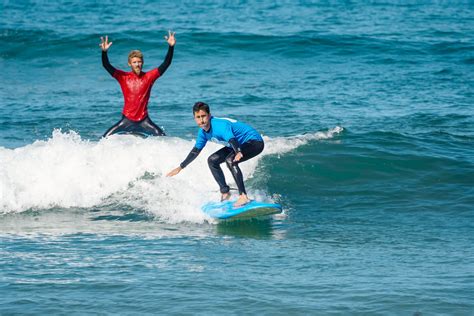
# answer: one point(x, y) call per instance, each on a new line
point(223, 130)
point(229, 132)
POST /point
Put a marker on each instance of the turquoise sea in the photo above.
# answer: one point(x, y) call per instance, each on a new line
point(367, 111)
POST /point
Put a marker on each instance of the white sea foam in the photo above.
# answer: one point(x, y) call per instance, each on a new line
point(281, 145)
point(67, 171)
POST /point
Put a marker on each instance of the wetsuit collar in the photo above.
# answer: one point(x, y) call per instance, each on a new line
point(139, 75)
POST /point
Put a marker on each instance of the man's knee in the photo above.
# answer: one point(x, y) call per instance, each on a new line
point(213, 160)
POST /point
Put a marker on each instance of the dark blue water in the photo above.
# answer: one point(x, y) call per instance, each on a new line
point(367, 110)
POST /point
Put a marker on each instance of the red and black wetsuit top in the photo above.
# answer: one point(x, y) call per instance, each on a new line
point(136, 89)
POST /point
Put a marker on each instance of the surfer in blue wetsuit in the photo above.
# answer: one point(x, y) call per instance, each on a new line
point(242, 143)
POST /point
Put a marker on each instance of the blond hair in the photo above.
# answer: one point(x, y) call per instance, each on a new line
point(135, 53)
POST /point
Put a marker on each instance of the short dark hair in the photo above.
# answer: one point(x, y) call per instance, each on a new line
point(198, 106)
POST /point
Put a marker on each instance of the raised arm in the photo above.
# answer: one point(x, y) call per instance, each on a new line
point(169, 56)
point(105, 45)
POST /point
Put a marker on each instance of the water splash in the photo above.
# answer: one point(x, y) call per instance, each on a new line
point(67, 171)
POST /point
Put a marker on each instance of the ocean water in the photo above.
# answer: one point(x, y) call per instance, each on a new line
point(367, 111)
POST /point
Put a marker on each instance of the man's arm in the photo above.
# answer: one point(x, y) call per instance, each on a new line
point(106, 64)
point(191, 156)
point(167, 62)
point(236, 147)
point(235, 144)
point(105, 45)
point(169, 56)
point(232, 140)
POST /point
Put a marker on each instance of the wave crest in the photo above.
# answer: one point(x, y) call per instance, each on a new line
point(67, 171)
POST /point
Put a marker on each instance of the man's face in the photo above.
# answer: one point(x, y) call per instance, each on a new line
point(203, 119)
point(136, 64)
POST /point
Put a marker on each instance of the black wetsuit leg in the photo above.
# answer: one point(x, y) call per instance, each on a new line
point(124, 125)
point(151, 128)
point(249, 150)
point(144, 127)
point(214, 161)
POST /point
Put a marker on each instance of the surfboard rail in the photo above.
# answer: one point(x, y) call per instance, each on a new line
point(253, 209)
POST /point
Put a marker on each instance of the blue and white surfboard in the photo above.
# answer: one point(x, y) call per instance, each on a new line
point(253, 209)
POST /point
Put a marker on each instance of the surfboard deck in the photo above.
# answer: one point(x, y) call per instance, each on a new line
point(253, 209)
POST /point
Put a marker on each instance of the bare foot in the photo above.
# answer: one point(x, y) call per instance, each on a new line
point(241, 201)
point(225, 197)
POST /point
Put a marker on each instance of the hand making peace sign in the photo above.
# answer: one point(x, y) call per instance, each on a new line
point(105, 44)
point(170, 38)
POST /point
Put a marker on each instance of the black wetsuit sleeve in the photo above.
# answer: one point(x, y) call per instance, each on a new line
point(235, 145)
point(191, 156)
point(106, 63)
point(167, 62)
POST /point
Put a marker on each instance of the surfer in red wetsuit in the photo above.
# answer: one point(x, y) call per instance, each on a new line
point(136, 88)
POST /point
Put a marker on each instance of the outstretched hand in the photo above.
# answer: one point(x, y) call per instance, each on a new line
point(174, 172)
point(105, 44)
point(170, 38)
